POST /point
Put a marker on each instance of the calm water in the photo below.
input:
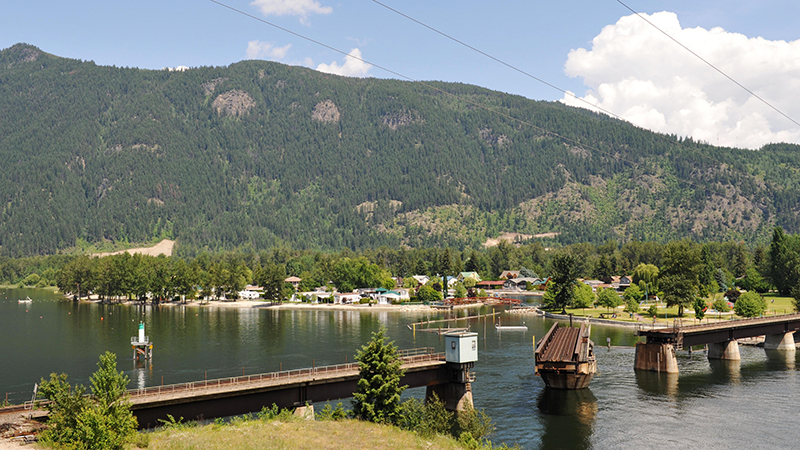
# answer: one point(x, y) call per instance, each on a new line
point(747, 404)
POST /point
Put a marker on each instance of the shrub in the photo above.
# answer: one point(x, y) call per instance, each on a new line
point(652, 311)
point(274, 413)
point(473, 426)
point(330, 413)
point(426, 419)
point(721, 305)
point(750, 304)
point(102, 421)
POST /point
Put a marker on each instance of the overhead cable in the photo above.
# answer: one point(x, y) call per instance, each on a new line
point(708, 63)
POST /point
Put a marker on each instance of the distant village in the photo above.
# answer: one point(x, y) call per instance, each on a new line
point(510, 282)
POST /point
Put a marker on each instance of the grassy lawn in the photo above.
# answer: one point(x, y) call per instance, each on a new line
point(775, 305)
point(779, 305)
point(293, 434)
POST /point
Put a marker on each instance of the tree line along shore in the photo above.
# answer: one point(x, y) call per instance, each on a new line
point(678, 272)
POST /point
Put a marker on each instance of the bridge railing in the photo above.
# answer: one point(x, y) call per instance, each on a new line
point(408, 356)
point(677, 325)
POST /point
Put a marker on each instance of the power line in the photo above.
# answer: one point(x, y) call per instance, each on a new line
point(465, 100)
point(510, 66)
point(662, 136)
point(708, 63)
point(428, 85)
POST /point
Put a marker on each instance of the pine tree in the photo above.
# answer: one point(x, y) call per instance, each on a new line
point(378, 396)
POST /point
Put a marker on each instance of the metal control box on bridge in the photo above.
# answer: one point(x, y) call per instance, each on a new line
point(461, 347)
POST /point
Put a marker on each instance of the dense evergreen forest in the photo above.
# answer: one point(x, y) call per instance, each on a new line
point(260, 155)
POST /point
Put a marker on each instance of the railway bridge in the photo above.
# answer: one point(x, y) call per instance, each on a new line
point(658, 352)
point(446, 374)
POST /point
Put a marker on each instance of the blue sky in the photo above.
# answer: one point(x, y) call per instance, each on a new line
point(593, 48)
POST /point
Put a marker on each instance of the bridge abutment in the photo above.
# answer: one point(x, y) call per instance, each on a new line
point(728, 350)
point(783, 342)
point(656, 357)
point(456, 396)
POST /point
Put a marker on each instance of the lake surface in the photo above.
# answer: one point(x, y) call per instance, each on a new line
point(751, 403)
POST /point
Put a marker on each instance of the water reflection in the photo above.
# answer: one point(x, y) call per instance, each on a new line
point(781, 359)
point(659, 384)
point(568, 418)
point(142, 372)
point(725, 371)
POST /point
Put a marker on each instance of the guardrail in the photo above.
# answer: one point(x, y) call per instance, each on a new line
point(410, 356)
point(677, 326)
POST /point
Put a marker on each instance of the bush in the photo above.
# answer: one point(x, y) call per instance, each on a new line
point(473, 426)
point(652, 311)
point(102, 421)
point(426, 419)
point(721, 305)
point(330, 413)
point(750, 304)
point(274, 413)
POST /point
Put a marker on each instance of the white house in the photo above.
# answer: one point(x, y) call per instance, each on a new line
point(250, 292)
point(346, 298)
point(421, 279)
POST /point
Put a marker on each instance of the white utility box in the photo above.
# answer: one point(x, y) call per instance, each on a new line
point(461, 347)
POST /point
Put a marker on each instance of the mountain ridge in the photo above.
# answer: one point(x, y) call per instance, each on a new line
point(259, 154)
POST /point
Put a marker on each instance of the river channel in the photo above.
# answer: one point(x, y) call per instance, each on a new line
point(752, 403)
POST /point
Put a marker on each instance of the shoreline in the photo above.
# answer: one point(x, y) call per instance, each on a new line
point(262, 304)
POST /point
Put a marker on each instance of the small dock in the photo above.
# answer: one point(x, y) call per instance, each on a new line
point(565, 357)
point(452, 322)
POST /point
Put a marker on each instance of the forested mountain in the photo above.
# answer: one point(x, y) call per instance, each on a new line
point(260, 155)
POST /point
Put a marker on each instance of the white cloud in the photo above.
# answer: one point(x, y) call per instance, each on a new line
point(353, 66)
point(300, 8)
point(266, 50)
point(639, 74)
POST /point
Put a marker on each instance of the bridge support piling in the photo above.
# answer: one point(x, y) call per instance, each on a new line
point(656, 357)
point(305, 412)
point(783, 341)
point(456, 396)
point(728, 350)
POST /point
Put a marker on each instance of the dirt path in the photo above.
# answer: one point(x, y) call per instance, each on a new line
point(162, 248)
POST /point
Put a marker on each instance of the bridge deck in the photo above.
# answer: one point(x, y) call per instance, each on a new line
point(685, 336)
point(412, 359)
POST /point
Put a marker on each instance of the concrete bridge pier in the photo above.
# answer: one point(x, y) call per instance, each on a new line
point(656, 357)
point(456, 393)
point(728, 350)
point(783, 342)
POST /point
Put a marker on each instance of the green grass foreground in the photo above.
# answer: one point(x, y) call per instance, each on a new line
point(291, 434)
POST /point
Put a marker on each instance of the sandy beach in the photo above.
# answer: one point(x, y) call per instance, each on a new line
point(297, 305)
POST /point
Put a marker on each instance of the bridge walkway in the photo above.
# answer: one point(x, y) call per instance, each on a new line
point(687, 336)
point(412, 359)
point(658, 353)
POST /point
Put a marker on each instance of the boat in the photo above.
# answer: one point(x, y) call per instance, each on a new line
point(26, 300)
point(565, 357)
